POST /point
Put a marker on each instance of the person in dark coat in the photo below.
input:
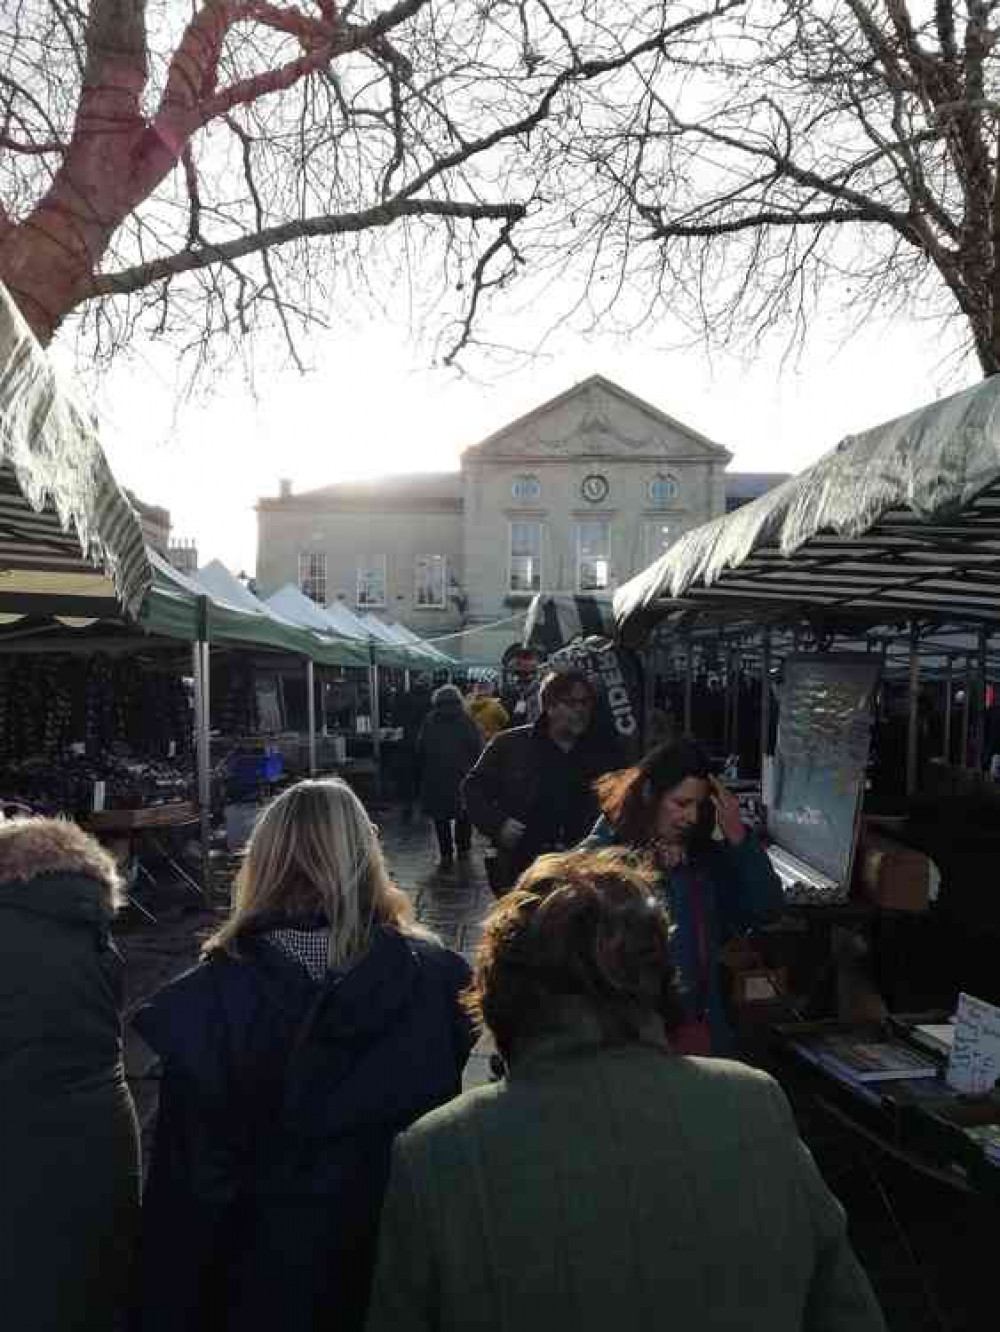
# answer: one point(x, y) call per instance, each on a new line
point(69, 1150)
point(410, 713)
point(532, 789)
point(716, 887)
point(319, 1024)
point(449, 745)
point(607, 1183)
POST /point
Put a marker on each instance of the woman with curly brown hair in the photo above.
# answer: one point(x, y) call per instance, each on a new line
point(606, 1183)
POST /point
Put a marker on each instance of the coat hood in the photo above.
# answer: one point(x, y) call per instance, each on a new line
point(52, 867)
point(449, 706)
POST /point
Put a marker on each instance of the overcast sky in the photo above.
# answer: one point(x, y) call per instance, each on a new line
point(372, 406)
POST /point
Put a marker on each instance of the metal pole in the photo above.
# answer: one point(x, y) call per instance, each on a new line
point(376, 718)
point(648, 659)
point(966, 704)
point(688, 687)
point(913, 729)
point(311, 713)
point(949, 691)
point(984, 644)
point(734, 739)
point(765, 699)
point(203, 727)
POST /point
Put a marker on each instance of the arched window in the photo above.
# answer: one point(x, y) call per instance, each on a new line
point(664, 488)
point(526, 488)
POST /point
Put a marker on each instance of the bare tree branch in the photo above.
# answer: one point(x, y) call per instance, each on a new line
point(383, 215)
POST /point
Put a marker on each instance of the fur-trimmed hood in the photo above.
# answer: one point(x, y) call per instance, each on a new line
point(35, 853)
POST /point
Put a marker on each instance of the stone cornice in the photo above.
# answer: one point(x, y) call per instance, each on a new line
point(368, 505)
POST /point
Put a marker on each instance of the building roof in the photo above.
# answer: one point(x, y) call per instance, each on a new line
point(746, 486)
point(494, 443)
point(397, 492)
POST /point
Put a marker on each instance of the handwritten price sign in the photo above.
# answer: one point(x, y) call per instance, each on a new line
point(974, 1064)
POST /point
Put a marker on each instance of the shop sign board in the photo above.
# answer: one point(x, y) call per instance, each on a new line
point(818, 775)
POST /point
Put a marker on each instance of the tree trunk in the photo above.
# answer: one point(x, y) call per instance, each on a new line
point(46, 268)
point(110, 164)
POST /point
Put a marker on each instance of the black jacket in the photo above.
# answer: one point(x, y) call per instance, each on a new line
point(524, 776)
point(449, 744)
point(69, 1151)
point(279, 1103)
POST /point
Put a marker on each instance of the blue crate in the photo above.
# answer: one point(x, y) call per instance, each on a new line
point(255, 769)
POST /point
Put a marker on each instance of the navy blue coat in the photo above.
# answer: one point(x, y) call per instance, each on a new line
point(279, 1103)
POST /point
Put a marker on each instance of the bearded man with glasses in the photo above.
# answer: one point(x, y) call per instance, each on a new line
point(532, 790)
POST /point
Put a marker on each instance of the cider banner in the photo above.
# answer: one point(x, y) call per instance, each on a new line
point(616, 676)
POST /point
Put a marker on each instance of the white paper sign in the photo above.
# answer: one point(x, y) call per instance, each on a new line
point(974, 1063)
point(767, 782)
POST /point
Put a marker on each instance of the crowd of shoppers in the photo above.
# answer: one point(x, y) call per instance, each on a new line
point(313, 1163)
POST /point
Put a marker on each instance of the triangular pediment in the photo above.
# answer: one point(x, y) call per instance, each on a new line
point(597, 418)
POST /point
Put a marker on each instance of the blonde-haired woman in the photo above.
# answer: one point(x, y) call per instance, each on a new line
point(320, 1022)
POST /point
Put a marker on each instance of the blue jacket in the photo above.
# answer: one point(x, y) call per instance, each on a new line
point(280, 1100)
point(739, 890)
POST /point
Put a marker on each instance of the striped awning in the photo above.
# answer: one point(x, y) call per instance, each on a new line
point(899, 523)
point(68, 535)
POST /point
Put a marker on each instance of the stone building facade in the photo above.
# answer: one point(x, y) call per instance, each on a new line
point(576, 496)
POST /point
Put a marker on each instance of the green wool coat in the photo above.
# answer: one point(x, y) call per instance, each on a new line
point(615, 1190)
point(69, 1150)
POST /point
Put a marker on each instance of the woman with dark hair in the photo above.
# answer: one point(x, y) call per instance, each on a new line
point(606, 1182)
point(712, 873)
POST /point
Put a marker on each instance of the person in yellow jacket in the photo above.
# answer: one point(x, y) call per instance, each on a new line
point(488, 713)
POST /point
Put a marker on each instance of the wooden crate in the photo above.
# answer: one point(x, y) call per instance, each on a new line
point(154, 816)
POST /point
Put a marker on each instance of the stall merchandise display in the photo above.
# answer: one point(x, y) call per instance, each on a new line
point(85, 733)
point(49, 704)
point(76, 785)
point(860, 1059)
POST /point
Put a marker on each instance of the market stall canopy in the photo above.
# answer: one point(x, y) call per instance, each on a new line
point(219, 582)
point(68, 536)
point(900, 522)
point(292, 603)
point(179, 606)
point(394, 650)
point(557, 618)
point(345, 621)
point(408, 638)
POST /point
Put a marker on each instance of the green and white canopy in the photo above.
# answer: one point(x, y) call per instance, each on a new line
point(68, 536)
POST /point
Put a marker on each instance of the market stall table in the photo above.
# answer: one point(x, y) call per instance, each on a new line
point(138, 829)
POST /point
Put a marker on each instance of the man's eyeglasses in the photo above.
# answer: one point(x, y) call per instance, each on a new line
point(578, 702)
